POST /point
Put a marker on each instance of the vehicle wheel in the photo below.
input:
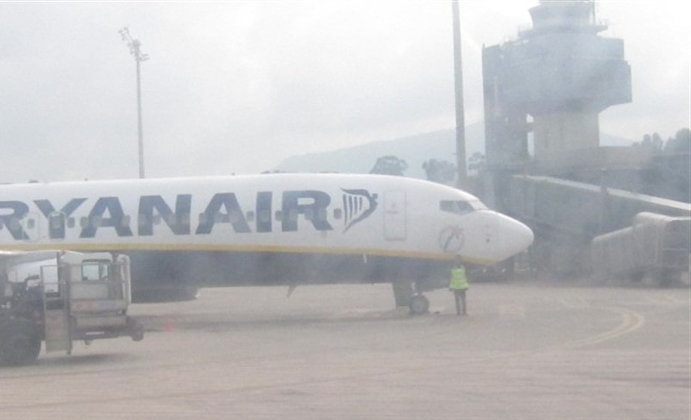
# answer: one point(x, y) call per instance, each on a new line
point(20, 344)
point(136, 330)
point(419, 305)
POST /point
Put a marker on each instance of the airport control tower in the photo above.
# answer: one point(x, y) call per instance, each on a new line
point(552, 81)
point(543, 94)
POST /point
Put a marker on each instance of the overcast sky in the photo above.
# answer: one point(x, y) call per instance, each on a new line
point(236, 87)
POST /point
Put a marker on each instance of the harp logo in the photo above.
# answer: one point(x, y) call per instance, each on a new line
point(358, 205)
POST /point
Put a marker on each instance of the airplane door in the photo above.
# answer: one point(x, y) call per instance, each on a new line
point(56, 225)
point(394, 215)
point(31, 226)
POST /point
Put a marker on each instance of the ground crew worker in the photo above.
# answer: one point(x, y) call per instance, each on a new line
point(458, 285)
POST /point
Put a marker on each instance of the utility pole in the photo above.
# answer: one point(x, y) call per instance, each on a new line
point(134, 46)
point(462, 181)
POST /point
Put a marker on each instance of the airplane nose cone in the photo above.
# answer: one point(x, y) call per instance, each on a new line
point(513, 237)
point(521, 235)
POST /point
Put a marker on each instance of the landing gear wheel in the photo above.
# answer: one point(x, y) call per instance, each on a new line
point(419, 305)
point(20, 344)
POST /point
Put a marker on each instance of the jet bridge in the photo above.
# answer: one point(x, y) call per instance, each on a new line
point(655, 245)
point(566, 216)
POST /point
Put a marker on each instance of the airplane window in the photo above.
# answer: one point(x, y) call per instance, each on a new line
point(309, 214)
point(83, 222)
point(250, 216)
point(279, 215)
point(157, 219)
point(321, 214)
point(30, 224)
point(338, 213)
point(125, 222)
point(264, 216)
point(14, 224)
point(70, 222)
point(456, 207)
point(221, 218)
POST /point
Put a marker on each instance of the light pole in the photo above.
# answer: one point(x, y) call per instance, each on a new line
point(136, 52)
point(462, 181)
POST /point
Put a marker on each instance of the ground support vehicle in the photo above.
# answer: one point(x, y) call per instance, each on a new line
point(69, 297)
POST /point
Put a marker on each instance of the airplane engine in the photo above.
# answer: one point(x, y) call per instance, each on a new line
point(160, 277)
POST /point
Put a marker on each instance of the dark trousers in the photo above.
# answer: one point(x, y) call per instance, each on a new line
point(460, 302)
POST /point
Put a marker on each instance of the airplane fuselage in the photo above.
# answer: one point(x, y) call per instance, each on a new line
point(184, 233)
point(317, 213)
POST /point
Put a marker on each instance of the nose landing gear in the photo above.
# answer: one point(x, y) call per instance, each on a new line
point(419, 304)
point(407, 294)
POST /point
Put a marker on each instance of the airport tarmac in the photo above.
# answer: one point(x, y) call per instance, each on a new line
point(525, 351)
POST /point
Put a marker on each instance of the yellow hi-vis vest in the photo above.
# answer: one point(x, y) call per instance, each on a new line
point(459, 281)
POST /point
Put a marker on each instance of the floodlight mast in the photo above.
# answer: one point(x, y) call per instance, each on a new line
point(134, 46)
point(462, 180)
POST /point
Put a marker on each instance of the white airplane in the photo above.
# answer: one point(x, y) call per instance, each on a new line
point(372, 217)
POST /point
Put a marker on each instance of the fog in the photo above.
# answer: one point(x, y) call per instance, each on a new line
point(238, 87)
point(336, 295)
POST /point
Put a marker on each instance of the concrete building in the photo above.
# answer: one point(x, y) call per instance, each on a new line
point(543, 94)
point(553, 80)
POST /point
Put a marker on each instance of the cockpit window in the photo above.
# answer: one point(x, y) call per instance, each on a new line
point(455, 207)
point(478, 205)
point(460, 206)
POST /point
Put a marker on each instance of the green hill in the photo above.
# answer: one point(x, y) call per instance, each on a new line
point(439, 145)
